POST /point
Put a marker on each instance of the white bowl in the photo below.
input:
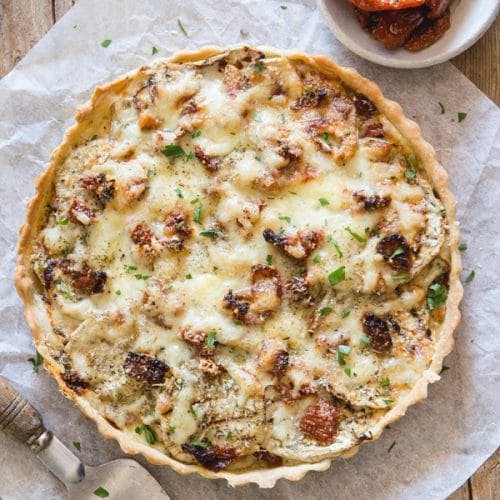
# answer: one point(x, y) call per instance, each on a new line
point(469, 21)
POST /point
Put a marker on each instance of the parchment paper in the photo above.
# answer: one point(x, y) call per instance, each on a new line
point(441, 441)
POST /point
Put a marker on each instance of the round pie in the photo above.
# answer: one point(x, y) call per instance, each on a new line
point(242, 262)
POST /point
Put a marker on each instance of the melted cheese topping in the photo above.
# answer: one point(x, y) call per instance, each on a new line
point(168, 196)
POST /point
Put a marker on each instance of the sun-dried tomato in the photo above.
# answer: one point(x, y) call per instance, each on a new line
point(269, 458)
point(375, 5)
point(145, 368)
point(364, 106)
point(395, 27)
point(372, 202)
point(429, 32)
point(100, 186)
point(280, 363)
point(80, 214)
point(74, 381)
point(310, 99)
point(211, 163)
point(378, 332)
point(90, 281)
point(298, 246)
point(436, 8)
point(213, 458)
point(321, 422)
point(298, 291)
point(396, 251)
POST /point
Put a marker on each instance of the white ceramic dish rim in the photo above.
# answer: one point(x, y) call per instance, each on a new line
point(352, 45)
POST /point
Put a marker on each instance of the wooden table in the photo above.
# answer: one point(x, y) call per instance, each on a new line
point(24, 22)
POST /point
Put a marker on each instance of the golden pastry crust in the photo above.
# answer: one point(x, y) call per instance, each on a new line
point(28, 283)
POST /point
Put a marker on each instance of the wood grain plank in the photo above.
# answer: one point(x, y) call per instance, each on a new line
point(22, 24)
point(463, 493)
point(485, 483)
point(480, 62)
point(61, 7)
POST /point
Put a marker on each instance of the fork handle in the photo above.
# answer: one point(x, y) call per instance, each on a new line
point(18, 419)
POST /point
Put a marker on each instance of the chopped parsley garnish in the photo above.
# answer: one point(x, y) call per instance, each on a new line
point(181, 27)
point(63, 222)
point(189, 277)
point(36, 361)
point(388, 401)
point(436, 296)
point(197, 213)
point(356, 236)
point(342, 352)
point(400, 277)
point(282, 118)
point(106, 43)
point(64, 289)
point(150, 172)
point(196, 134)
point(324, 202)
point(336, 245)
point(256, 118)
point(210, 338)
point(364, 340)
point(391, 447)
point(285, 218)
point(269, 259)
point(471, 276)
point(189, 156)
point(325, 310)
point(398, 251)
point(347, 371)
point(65, 253)
point(173, 151)
point(200, 444)
point(209, 233)
point(141, 277)
point(259, 66)
point(410, 161)
point(131, 268)
point(154, 50)
point(317, 259)
point(192, 412)
point(410, 174)
point(462, 247)
point(148, 433)
point(229, 435)
point(441, 107)
point(171, 429)
point(195, 200)
point(258, 158)
point(243, 33)
point(118, 292)
point(178, 192)
point(337, 276)
point(283, 7)
point(385, 382)
point(77, 445)
point(326, 138)
point(345, 313)
point(461, 116)
point(101, 492)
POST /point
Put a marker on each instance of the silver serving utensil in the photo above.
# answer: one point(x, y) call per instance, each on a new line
point(123, 479)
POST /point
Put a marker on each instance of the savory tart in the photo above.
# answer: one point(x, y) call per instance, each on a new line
point(242, 262)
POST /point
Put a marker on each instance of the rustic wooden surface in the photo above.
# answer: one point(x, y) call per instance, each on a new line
point(24, 22)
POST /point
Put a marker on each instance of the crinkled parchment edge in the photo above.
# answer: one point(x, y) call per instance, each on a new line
point(37, 318)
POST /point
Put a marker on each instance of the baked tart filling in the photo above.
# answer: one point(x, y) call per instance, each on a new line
point(240, 261)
